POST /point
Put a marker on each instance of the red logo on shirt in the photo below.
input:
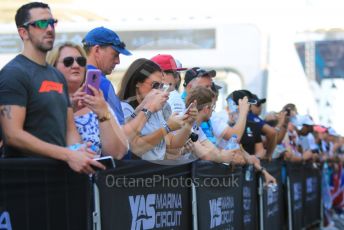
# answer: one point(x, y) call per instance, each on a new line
point(48, 86)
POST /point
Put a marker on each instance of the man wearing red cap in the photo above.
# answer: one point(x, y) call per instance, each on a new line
point(171, 76)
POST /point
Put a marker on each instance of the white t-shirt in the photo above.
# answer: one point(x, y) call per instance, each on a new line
point(155, 122)
point(308, 142)
point(219, 123)
point(201, 137)
point(199, 131)
point(176, 102)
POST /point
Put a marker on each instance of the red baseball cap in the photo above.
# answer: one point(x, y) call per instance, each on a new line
point(166, 62)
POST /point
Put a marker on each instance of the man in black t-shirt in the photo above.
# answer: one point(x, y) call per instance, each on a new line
point(35, 113)
point(251, 140)
point(0, 142)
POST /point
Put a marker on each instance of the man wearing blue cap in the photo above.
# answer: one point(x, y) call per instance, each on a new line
point(103, 47)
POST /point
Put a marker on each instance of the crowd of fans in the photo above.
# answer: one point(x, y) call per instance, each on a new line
point(45, 110)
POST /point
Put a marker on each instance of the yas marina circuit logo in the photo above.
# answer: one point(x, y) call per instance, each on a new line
point(221, 211)
point(5, 222)
point(156, 211)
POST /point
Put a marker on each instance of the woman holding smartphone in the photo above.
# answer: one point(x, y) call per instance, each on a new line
point(141, 84)
point(94, 119)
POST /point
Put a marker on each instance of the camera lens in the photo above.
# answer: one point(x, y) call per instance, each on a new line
point(194, 137)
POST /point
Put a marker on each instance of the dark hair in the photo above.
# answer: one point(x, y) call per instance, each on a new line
point(23, 14)
point(202, 95)
point(137, 72)
point(290, 106)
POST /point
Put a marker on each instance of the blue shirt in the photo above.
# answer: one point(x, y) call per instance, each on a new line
point(110, 96)
point(184, 95)
point(256, 119)
point(207, 128)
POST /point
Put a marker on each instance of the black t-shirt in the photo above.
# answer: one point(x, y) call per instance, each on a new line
point(42, 90)
point(251, 136)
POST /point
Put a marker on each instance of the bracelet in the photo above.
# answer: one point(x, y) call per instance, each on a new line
point(261, 169)
point(147, 113)
point(277, 129)
point(133, 115)
point(106, 117)
point(74, 147)
point(167, 128)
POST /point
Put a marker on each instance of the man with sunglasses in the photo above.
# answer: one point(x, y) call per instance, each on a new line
point(35, 111)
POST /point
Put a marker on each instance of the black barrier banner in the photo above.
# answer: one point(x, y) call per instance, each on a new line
point(143, 195)
point(312, 194)
point(219, 195)
point(295, 187)
point(43, 194)
point(272, 199)
point(250, 201)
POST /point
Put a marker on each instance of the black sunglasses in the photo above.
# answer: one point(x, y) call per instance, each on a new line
point(156, 85)
point(42, 24)
point(68, 61)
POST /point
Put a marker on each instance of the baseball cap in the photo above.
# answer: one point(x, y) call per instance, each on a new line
point(332, 132)
point(320, 129)
point(103, 36)
point(240, 94)
point(215, 87)
point(302, 120)
point(259, 101)
point(166, 62)
point(197, 72)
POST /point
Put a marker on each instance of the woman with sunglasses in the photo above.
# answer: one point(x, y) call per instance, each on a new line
point(93, 117)
point(142, 91)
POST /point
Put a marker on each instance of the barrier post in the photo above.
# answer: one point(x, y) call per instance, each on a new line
point(219, 195)
point(271, 203)
point(194, 207)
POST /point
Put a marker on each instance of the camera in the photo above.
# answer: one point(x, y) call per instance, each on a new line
point(288, 111)
point(193, 137)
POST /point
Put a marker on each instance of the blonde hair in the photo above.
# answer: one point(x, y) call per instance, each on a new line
point(202, 95)
point(54, 54)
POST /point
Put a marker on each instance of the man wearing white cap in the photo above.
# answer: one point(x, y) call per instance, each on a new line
point(304, 125)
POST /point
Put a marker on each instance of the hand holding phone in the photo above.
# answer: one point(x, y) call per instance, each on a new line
point(107, 161)
point(186, 110)
point(166, 87)
point(92, 78)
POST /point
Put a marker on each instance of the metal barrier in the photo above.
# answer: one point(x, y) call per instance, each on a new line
point(46, 194)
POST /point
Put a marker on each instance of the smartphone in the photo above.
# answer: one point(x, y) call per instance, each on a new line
point(165, 87)
point(93, 79)
point(252, 101)
point(288, 111)
point(187, 110)
point(107, 161)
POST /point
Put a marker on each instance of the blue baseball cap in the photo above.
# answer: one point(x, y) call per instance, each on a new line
point(103, 36)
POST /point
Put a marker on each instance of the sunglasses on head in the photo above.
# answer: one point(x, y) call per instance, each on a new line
point(68, 61)
point(42, 24)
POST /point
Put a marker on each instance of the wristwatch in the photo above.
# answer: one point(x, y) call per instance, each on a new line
point(167, 128)
point(147, 113)
point(106, 117)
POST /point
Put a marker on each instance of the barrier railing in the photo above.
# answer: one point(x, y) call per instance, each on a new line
point(46, 194)
point(43, 194)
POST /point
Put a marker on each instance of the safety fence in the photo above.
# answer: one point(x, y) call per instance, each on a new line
point(46, 194)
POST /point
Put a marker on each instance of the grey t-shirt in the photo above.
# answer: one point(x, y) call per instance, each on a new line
point(42, 90)
point(155, 122)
